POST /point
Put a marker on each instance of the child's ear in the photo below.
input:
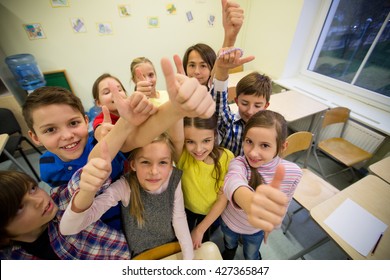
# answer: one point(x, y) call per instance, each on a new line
point(284, 147)
point(132, 165)
point(34, 138)
point(86, 119)
point(266, 105)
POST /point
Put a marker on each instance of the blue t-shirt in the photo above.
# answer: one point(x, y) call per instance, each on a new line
point(56, 172)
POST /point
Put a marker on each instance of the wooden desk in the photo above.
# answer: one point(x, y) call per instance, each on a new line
point(3, 141)
point(208, 251)
point(373, 194)
point(381, 169)
point(293, 106)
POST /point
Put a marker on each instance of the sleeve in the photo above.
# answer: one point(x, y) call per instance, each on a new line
point(180, 225)
point(73, 223)
point(237, 176)
point(97, 121)
point(222, 109)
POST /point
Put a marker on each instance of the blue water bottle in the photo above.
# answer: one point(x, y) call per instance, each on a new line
point(26, 71)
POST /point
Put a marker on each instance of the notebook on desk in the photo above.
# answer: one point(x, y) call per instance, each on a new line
point(356, 226)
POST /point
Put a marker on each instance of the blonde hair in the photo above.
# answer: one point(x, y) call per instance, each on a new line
point(136, 204)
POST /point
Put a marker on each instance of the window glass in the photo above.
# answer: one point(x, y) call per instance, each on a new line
point(354, 45)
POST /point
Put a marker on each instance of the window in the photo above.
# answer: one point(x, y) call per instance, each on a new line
point(352, 50)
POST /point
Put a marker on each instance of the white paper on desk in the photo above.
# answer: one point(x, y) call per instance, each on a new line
point(356, 226)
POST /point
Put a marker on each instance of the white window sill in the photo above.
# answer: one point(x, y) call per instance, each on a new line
point(366, 114)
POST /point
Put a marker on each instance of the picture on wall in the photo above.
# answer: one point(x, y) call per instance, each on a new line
point(124, 10)
point(59, 3)
point(104, 28)
point(211, 20)
point(153, 22)
point(189, 16)
point(78, 25)
point(171, 9)
point(34, 31)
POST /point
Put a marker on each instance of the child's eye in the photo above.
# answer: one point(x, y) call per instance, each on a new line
point(74, 123)
point(49, 130)
point(33, 189)
point(144, 162)
point(189, 142)
point(248, 141)
point(164, 162)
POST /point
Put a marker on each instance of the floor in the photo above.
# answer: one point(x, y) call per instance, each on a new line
point(302, 233)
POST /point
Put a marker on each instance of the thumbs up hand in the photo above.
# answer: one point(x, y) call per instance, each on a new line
point(269, 204)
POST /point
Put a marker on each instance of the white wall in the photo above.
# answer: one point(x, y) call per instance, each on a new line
point(267, 33)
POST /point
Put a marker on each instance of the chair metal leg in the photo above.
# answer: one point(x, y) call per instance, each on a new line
point(29, 165)
point(290, 215)
point(319, 164)
point(32, 145)
point(309, 249)
point(15, 161)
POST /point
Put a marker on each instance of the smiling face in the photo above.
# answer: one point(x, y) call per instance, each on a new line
point(105, 95)
point(61, 129)
point(199, 142)
point(248, 105)
point(36, 210)
point(198, 68)
point(260, 145)
point(153, 164)
point(149, 74)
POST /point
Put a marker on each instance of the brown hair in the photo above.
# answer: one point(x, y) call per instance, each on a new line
point(206, 53)
point(209, 124)
point(136, 204)
point(266, 119)
point(13, 186)
point(49, 95)
point(95, 86)
point(255, 84)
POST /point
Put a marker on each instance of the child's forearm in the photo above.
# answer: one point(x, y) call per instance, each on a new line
point(82, 200)
point(166, 116)
point(243, 197)
point(215, 211)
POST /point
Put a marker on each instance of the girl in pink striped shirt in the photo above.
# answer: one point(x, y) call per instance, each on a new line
point(259, 185)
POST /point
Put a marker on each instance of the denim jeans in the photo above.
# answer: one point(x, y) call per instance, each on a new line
point(251, 242)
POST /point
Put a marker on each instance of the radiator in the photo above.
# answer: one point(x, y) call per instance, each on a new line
point(361, 136)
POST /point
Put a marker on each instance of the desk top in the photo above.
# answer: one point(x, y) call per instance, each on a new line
point(381, 168)
point(3, 141)
point(294, 105)
point(373, 194)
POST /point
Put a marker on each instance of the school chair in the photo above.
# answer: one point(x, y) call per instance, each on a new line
point(338, 148)
point(312, 189)
point(9, 125)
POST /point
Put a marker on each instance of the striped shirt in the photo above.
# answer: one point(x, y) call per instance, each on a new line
point(230, 125)
point(239, 174)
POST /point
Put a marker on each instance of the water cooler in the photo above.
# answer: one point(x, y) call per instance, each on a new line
point(26, 71)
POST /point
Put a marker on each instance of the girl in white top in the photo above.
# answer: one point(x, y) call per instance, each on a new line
point(264, 139)
point(143, 74)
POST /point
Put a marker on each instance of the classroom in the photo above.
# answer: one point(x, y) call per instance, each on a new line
point(81, 40)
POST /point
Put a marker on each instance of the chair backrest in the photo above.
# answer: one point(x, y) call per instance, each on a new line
point(9, 123)
point(335, 115)
point(297, 142)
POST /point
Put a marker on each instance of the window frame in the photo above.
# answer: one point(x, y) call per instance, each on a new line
point(363, 95)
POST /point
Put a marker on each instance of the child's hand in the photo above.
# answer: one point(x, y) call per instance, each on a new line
point(135, 109)
point(96, 171)
point(178, 64)
point(232, 20)
point(143, 85)
point(190, 97)
point(104, 128)
point(196, 236)
point(231, 57)
point(269, 204)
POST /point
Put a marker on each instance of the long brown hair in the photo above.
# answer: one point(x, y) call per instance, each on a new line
point(266, 119)
point(136, 204)
point(209, 124)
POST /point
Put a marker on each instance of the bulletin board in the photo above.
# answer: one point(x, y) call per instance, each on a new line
point(58, 78)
